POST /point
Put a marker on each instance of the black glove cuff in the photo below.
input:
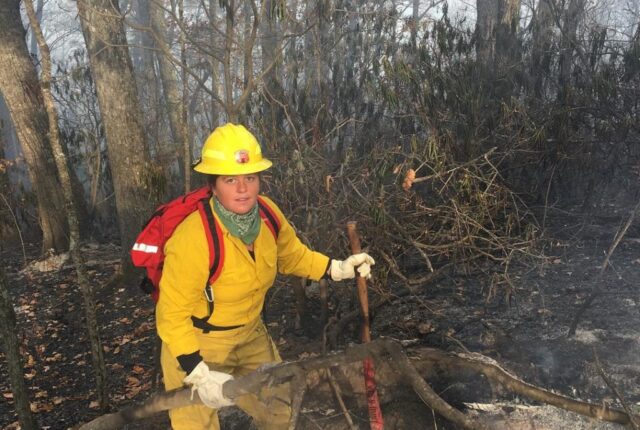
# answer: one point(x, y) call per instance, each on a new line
point(188, 362)
point(327, 275)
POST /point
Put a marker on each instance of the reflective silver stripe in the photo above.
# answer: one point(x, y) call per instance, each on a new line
point(143, 247)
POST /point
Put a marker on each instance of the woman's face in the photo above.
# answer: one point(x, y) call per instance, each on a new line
point(237, 193)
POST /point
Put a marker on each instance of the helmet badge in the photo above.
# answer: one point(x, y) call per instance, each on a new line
point(242, 156)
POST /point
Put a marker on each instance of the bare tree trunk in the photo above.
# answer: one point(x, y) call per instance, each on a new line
point(271, 46)
point(507, 50)
point(142, 54)
point(168, 76)
point(12, 220)
point(572, 18)
point(631, 69)
point(33, 45)
point(232, 115)
point(565, 124)
point(71, 213)
point(184, 126)
point(313, 59)
point(142, 49)
point(496, 32)
point(246, 11)
point(102, 26)
point(14, 361)
point(486, 22)
point(21, 91)
point(291, 77)
point(415, 18)
point(350, 81)
point(541, 52)
point(214, 66)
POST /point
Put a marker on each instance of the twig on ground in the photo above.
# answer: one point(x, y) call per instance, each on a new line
point(298, 390)
point(613, 388)
point(338, 393)
point(597, 290)
point(332, 381)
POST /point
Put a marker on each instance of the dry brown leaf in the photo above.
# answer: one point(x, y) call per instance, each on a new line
point(132, 381)
point(40, 407)
point(408, 179)
point(56, 357)
point(145, 326)
point(132, 392)
point(142, 312)
point(424, 328)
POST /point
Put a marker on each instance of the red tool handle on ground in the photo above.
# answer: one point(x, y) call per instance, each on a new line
point(375, 413)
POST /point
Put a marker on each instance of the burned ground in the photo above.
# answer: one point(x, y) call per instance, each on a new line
point(525, 331)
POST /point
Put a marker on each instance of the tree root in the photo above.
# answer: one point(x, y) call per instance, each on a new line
point(383, 350)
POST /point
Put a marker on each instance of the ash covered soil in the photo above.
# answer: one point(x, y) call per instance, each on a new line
point(525, 331)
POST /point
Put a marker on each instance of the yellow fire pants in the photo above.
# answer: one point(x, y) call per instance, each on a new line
point(238, 352)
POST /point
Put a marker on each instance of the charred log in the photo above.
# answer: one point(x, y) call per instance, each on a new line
point(389, 355)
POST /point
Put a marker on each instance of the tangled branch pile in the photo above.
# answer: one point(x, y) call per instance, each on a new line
point(418, 209)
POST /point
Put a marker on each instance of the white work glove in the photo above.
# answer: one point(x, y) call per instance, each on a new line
point(208, 384)
point(345, 269)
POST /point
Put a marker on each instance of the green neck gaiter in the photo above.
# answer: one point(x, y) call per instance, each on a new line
point(245, 226)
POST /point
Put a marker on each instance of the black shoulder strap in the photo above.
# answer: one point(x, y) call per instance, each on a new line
point(216, 241)
point(267, 213)
point(216, 249)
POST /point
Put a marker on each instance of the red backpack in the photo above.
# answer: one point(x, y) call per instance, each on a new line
point(148, 249)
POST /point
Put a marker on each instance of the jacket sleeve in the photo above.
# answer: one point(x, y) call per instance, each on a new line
point(182, 284)
point(295, 258)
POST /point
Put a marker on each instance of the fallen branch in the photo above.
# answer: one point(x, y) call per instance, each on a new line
point(494, 372)
point(286, 372)
point(386, 351)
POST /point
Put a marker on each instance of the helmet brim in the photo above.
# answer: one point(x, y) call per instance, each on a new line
point(237, 169)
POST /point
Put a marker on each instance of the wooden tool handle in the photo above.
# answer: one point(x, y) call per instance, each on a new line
point(376, 421)
point(354, 241)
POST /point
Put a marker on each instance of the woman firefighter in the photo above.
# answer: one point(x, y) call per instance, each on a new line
point(205, 345)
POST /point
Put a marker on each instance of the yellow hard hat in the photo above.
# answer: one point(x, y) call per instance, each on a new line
point(231, 150)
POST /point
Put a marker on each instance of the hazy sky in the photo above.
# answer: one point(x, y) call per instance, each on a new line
point(62, 28)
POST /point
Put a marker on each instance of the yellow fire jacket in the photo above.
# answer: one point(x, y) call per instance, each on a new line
point(240, 289)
